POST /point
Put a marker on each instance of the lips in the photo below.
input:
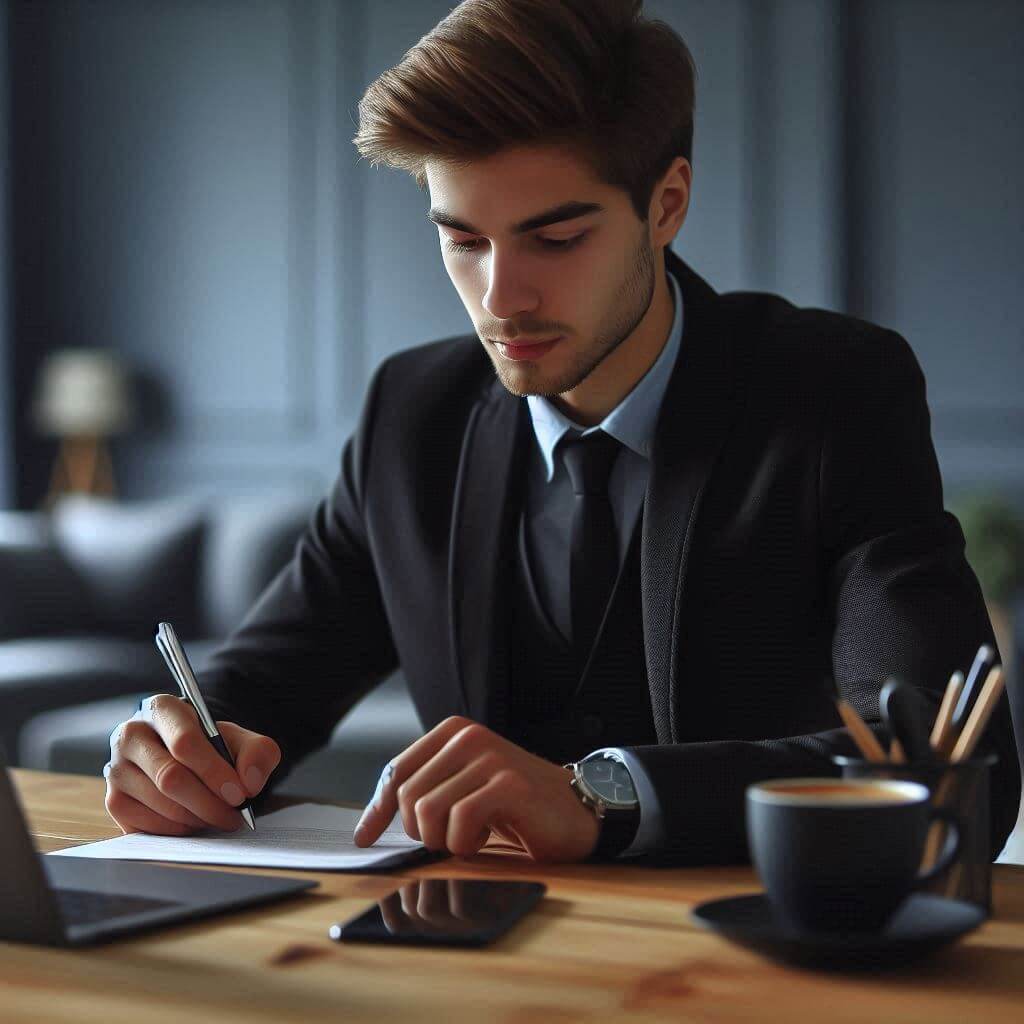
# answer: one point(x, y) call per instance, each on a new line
point(526, 342)
point(520, 349)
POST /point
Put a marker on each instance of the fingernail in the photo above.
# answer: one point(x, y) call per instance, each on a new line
point(377, 800)
point(232, 794)
point(254, 779)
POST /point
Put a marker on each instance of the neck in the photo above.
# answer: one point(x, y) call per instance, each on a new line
point(616, 375)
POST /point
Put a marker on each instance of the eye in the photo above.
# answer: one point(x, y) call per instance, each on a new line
point(461, 246)
point(562, 243)
point(552, 244)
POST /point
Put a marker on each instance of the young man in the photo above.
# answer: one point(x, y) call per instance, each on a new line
point(627, 518)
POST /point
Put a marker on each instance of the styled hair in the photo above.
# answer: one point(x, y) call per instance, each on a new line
point(616, 89)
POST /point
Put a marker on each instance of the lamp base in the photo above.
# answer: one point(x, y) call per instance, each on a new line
point(82, 466)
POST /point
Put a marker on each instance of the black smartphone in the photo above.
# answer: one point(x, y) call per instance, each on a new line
point(443, 912)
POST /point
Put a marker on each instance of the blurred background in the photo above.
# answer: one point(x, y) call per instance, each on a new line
point(182, 192)
point(197, 276)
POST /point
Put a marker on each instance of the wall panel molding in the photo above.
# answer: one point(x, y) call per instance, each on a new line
point(257, 424)
point(795, 116)
point(351, 346)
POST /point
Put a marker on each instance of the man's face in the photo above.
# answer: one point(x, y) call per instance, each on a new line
point(584, 276)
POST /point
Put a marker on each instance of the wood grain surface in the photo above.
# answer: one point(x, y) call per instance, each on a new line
point(609, 943)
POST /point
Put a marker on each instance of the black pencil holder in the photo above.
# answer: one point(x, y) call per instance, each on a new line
point(963, 789)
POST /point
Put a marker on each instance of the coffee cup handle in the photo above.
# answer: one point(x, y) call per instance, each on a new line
point(950, 850)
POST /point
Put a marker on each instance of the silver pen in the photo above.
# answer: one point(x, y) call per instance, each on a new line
point(169, 646)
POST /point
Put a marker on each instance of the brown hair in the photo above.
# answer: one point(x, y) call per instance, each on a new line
point(593, 75)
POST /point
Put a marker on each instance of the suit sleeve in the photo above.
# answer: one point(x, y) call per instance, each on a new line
point(902, 598)
point(318, 637)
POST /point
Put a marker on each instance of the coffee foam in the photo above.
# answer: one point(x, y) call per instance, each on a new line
point(838, 792)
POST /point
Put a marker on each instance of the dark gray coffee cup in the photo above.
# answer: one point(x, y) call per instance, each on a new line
point(842, 854)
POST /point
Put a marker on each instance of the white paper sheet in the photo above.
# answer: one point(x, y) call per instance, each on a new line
point(310, 837)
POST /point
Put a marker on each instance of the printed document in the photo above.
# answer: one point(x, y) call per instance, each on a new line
point(309, 837)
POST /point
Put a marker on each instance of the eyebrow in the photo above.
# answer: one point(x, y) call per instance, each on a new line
point(565, 211)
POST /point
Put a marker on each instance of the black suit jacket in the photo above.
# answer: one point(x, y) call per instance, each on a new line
point(793, 533)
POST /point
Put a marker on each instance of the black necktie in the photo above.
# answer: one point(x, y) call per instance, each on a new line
point(595, 549)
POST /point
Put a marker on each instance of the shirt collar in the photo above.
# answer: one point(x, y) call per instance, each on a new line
point(632, 421)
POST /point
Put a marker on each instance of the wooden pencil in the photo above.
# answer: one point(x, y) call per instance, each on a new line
point(964, 748)
point(862, 735)
point(980, 714)
point(941, 738)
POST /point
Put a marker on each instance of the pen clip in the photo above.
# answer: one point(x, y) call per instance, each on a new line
point(177, 661)
point(172, 668)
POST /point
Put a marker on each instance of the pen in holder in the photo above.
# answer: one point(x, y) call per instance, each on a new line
point(942, 759)
point(961, 788)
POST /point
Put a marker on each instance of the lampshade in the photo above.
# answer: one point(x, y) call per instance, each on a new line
point(83, 392)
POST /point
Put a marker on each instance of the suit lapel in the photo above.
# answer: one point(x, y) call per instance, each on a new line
point(696, 413)
point(481, 549)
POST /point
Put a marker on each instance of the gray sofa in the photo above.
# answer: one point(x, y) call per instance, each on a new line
point(81, 590)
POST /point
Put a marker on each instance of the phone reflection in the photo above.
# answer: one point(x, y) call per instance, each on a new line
point(447, 906)
point(456, 911)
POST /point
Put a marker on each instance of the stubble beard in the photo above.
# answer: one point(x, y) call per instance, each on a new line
point(629, 307)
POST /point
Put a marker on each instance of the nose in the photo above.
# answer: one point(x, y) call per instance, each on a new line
point(509, 289)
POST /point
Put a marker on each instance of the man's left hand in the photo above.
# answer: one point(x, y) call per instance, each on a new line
point(461, 782)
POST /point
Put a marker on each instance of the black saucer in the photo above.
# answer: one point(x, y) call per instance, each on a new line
point(922, 924)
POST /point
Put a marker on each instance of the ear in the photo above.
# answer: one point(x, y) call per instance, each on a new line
point(670, 201)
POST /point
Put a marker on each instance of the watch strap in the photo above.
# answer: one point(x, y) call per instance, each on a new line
point(616, 832)
point(616, 828)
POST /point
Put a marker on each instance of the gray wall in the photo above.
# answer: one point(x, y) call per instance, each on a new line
point(192, 199)
point(937, 239)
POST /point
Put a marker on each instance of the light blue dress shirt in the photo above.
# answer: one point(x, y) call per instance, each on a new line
point(549, 503)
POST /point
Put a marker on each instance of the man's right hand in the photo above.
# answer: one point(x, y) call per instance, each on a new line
point(165, 777)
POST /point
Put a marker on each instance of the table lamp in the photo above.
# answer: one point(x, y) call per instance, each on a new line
point(83, 398)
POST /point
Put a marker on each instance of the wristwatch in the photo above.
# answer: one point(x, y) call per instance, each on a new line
point(604, 785)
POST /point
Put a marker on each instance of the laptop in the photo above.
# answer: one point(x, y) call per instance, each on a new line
point(72, 901)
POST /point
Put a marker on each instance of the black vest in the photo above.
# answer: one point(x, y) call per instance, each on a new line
point(551, 711)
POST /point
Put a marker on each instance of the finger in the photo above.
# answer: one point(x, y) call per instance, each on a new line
point(131, 816)
point(410, 898)
point(413, 905)
point(432, 906)
point(141, 746)
point(391, 914)
point(469, 821)
point(461, 750)
point(384, 804)
point(431, 811)
point(130, 779)
point(256, 755)
point(457, 899)
point(364, 835)
point(177, 725)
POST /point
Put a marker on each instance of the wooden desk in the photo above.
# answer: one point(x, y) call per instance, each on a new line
point(608, 944)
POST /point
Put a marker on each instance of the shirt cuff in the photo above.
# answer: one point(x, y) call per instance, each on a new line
point(650, 830)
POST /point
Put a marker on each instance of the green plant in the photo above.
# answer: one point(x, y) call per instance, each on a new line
point(995, 544)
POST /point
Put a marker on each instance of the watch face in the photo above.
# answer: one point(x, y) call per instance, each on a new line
point(610, 781)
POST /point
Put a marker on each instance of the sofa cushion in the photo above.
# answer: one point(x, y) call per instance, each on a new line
point(21, 528)
point(140, 562)
point(41, 593)
point(74, 739)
